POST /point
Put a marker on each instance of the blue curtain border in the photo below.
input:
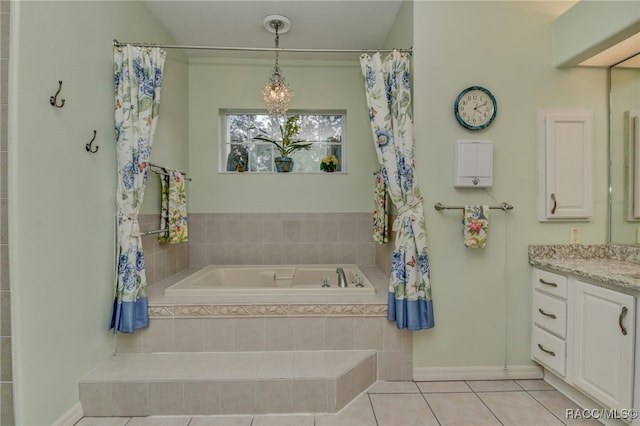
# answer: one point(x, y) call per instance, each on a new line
point(130, 316)
point(420, 309)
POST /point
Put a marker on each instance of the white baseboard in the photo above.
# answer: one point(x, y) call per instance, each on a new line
point(71, 417)
point(477, 373)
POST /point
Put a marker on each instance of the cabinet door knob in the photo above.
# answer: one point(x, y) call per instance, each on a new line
point(555, 203)
point(546, 314)
point(550, 284)
point(546, 350)
point(623, 313)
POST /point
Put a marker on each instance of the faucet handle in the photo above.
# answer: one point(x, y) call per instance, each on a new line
point(359, 281)
point(325, 282)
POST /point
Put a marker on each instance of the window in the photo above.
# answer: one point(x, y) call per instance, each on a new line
point(324, 130)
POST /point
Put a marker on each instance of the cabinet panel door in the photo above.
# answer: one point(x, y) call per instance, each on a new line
point(603, 347)
point(565, 165)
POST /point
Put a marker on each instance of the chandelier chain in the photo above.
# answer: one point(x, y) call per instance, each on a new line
point(276, 26)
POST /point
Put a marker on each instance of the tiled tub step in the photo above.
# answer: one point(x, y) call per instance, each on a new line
point(201, 383)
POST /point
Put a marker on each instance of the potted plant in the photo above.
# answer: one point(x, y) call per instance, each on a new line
point(288, 144)
point(329, 163)
point(237, 158)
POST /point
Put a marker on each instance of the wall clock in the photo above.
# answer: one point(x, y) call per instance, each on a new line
point(475, 108)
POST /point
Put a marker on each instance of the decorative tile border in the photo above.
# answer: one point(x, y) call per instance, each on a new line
point(267, 311)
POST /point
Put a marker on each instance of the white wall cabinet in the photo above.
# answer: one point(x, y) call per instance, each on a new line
point(565, 165)
point(584, 334)
point(604, 329)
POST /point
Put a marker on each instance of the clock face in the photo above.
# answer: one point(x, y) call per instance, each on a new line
point(475, 108)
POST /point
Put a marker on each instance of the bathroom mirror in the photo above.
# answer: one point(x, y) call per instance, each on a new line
point(624, 154)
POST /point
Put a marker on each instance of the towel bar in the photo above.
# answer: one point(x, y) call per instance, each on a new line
point(156, 231)
point(502, 206)
point(184, 175)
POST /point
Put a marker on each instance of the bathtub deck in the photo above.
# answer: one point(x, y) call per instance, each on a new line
point(378, 279)
point(142, 384)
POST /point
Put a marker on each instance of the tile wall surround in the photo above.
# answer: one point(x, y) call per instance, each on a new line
point(264, 238)
point(280, 238)
point(6, 365)
point(161, 260)
point(384, 252)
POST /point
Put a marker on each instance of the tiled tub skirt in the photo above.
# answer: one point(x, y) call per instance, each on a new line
point(198, 350)
point(276, 327)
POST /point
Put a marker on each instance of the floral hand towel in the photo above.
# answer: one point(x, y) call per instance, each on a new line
point(476, 226)
point(173, 215)
point(380, 212)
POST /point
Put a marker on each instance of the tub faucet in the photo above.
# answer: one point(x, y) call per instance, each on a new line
point(342, 279)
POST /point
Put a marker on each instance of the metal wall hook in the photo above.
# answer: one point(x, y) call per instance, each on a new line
point(53, 100)
point(89, 147)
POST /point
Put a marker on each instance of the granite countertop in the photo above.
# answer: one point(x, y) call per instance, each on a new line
point(616, 265)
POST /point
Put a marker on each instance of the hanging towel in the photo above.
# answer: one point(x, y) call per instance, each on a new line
point(173, 214)
point(380, 212)
point(476, 226)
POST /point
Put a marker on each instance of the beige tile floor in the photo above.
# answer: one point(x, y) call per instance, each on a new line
point(459, 403)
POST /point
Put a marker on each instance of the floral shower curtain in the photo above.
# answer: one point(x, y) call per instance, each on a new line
point(137, 78)
point(388, 92)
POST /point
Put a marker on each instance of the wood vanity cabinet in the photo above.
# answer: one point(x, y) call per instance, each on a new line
point(585, 334)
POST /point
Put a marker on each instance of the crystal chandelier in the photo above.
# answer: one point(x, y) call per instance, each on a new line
point(276, 93)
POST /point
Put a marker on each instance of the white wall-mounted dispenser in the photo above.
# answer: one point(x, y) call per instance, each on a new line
point(473, 164)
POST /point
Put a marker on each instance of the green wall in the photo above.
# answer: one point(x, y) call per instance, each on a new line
point(228, 84)
point(62, 198)
point(482, 297)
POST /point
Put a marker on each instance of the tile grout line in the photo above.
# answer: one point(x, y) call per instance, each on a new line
point(528, 392)
point(545, 407)
point(484, 403)
point(435, 416)
point(373, 410)
point(540, 403)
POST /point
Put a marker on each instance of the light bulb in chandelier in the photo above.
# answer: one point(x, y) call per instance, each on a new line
point(277, 95)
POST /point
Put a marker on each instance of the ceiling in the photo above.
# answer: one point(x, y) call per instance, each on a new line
point(617, 53)
point(328, 24)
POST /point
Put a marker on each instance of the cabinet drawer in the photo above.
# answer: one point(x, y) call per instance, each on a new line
point(550, 314)
point(549, 282)
point(549, 350)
